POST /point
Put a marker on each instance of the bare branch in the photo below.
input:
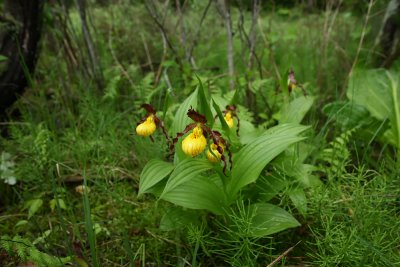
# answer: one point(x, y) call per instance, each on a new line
point(182, 29)
point(89, 43)
point(229, 34)
point(197, 33)
point(153, 13)
point(253, 33)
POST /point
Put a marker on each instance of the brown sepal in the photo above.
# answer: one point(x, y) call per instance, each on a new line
point(197, 117)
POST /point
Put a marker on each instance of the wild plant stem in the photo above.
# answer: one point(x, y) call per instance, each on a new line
point(396, 114)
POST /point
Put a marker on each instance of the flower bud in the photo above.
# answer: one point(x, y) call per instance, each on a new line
point(229, 120)
point(217, 156)
point(147, 127)
point(194, 143)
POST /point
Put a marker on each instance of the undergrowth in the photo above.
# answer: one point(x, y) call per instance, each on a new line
point(76, 161)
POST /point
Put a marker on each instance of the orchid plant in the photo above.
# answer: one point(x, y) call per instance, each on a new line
point(199, 179)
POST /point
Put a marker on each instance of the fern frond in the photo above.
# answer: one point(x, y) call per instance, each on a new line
point(26, 251)
point(337, 154)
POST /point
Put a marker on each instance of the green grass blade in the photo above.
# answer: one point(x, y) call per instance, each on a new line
point(89, 224)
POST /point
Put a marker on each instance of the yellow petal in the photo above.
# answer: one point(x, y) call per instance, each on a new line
point(146, 128)
point(194, 143)
point(216, 157)
point(229, 120)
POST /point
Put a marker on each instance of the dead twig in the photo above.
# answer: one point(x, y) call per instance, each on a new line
point(282, 255)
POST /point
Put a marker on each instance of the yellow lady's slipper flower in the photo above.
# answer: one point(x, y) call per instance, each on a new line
point(229, 120)
point(293, 84)
point(194, 143)
point(147, 127)
point(217, 156)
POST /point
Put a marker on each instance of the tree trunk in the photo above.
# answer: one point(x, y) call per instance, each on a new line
point(229, 35)
point(389, 36)
point(19, 40)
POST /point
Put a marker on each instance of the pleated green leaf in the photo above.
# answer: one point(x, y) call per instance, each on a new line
point(347, 114)
point(225, 126)
point(186, 170)
point(253, 157)
point(177, 217)
point(299, 199)
point(379, 92)
point(181, 119)
point(296, 110)
point(269, 219)
point(154, 171)
point(205, 104)
point(198, 193)
point(371, 89)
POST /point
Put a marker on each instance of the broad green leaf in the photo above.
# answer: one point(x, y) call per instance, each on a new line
point(186, 170)
point(235, 98)
point(299, 199)
point(219, 100)
point(3, 58)
point(225, 126)
point(154, 171)
point(270, 186)
point(176, 218)
point(198, 193)
point(253, 157)
point(305, 176)
point(269, 219)
point(248, 132)
point(205, 104)
point(379, 92)
point(181, 119)
point(34, 206)
point(289, 164)
point(296, 110)
point(348, 114)
point(370, 89)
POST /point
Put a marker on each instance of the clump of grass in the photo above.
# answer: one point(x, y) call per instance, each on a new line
point(356, 221)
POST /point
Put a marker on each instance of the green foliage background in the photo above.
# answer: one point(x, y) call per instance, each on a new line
point(338, 184)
